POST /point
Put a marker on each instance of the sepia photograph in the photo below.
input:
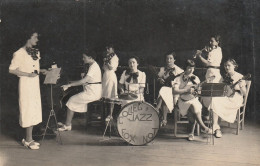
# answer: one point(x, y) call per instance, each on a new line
point(129, 82)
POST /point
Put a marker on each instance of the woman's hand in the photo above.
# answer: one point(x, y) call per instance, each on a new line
point(65, 87)
point(44, 71)
point(32, 75)
point(161, 81)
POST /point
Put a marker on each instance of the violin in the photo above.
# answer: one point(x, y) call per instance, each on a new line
point(205, 49)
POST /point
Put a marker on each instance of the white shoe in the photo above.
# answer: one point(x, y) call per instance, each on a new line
point(218, 133)
point(65, 128)
point(31, 145)
point(36, 143)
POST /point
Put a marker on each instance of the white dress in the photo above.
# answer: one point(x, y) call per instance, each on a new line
point(226, 107)
point(109, 81)
point(166, 92)
point(92, 92)
point(214, 58)
point(29, 88)
point(133, 88)
point(184, 101)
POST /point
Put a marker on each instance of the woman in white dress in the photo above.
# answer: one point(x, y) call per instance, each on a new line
point(109, 81)
point(133, 81)
point(166, 101)
point(213, 62)
point(226, 107)
point(25, 64)
point(184, 86)
point(92, 90)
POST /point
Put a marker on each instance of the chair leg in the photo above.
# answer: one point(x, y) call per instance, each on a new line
point(243, 124)
point(175, 123)
point(238, 122)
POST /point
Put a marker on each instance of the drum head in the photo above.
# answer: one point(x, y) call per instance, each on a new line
point(138, 123)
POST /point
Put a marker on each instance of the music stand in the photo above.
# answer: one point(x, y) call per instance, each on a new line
point(51, 78)
point(212, 90)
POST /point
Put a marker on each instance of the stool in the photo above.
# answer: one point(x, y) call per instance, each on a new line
point(95, 114)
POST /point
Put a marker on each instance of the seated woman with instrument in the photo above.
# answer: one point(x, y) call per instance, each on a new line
point(166, 75)
point(132, 82)
point(226, 107)
point(92, 90)
point(184, 85)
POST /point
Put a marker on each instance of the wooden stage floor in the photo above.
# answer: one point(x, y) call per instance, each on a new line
point(83, 147)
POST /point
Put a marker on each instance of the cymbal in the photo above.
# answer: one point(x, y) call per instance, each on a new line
point(128, 96)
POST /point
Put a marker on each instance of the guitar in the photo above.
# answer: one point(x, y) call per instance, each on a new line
point(230, 88)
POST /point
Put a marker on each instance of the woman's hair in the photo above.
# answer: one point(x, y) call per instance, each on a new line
point(233, 62)
point(90, 53)
point(136, 58)
point(189, 63)
point(27, 34)
point(217, 38)
point(110, 46)
point(170, 53)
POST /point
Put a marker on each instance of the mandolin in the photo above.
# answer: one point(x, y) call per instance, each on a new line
point(230, 88)
point(196, 87)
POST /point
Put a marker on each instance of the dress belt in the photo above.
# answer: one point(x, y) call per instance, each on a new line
point(93, 83)
point(214, 67)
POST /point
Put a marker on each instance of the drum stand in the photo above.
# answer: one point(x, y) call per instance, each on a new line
point(52, 114)
point(109, 121)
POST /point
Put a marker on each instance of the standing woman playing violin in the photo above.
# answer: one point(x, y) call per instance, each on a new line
point(166, 75)
point(226, 107)
point(212, 63)
point(132, 80)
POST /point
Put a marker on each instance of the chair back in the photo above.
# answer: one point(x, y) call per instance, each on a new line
point(248, 84)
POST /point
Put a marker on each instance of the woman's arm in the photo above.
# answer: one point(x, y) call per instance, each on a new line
point(20, 73)
point(121, 88)
point(176, 90)
point(203, 60)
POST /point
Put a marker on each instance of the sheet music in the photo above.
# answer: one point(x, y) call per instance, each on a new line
point(52, 76)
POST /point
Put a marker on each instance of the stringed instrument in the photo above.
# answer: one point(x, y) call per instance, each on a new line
point(230, 88)
point(196, 87)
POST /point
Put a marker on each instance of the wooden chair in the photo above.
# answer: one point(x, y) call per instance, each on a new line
point(182, 120)
point(240, 120)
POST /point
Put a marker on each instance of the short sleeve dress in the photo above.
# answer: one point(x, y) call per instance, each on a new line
point(109, 81)
point(92, 92)
point(166, 91)
point(29, 88)
point(133, 88)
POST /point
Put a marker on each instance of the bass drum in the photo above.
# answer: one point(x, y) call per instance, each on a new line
point(138, 123)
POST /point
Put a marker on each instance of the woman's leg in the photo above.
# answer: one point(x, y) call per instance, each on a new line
point(198, 117)
point(165, 111)
point(215, 122)
point(28, 132)
point(70, 115)
point(159, 103)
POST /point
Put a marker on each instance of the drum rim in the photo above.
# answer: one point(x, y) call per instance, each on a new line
point(138, 102)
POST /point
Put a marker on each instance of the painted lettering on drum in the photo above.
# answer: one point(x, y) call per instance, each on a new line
point(147, 138)
point(128, 137)
point(131, 116)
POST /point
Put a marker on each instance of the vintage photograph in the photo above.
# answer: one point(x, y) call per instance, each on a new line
point(129, 82)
